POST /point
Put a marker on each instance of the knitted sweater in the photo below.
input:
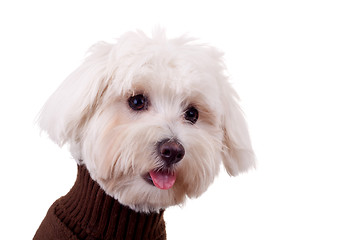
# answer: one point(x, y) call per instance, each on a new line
point(87, 212)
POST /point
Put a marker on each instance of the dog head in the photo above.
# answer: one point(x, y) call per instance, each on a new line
point(151, 118)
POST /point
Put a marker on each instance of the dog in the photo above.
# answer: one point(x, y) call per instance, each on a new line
point(150, 120)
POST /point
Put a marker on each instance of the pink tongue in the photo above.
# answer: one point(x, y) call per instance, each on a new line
point(163, 180)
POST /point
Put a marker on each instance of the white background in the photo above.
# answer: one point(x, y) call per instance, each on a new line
point(295, 64)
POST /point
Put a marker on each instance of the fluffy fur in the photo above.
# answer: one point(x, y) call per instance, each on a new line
point(90, 112)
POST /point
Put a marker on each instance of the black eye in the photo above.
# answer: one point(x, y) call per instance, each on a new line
point(138, 102)
point(192, 115)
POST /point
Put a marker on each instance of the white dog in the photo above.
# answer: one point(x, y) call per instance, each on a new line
point(151, 119)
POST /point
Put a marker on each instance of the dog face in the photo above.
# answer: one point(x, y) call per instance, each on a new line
point(151, 118)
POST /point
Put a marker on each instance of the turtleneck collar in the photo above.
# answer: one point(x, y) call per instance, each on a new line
point(89, 213)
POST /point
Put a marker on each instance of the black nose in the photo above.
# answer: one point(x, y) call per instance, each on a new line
point(171, 151)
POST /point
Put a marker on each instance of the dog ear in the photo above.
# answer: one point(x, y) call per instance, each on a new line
point(238, 155)
point(69, 108)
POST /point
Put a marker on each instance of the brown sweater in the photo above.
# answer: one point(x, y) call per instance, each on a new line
point(87, 212)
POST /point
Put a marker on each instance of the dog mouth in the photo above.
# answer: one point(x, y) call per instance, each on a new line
point(161, 178)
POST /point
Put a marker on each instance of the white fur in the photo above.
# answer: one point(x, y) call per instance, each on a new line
point(90, 112)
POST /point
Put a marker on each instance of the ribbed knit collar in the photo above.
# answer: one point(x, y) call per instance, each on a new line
point(90, 213)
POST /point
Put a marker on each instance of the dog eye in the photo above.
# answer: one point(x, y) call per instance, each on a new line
point(192, 115)
point(138, 102)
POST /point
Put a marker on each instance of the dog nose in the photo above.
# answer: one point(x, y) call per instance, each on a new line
point(171, 151)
